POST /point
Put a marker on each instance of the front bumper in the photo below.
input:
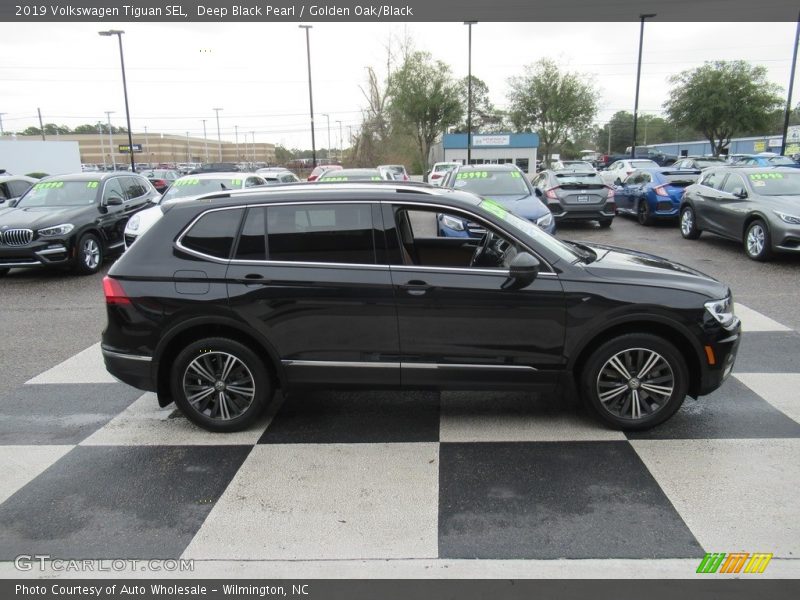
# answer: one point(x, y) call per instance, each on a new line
point(722, 352)
point(39, 253)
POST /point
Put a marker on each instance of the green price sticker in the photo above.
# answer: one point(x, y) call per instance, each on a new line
point(92, 184)
point(764, 176)
point(49, 185)
point(495, 208)
point(236, 182)
point(515, 175)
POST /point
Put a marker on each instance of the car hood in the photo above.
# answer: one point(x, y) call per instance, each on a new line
point(631, 266)
point(37, 217)
point(787, 204)
point(525, 206)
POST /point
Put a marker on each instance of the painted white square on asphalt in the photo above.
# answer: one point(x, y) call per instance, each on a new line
point(735, 495)
point(145, 423)
point(84, 367)
point(515, 417)
point(782, 390)
point(753, 320)
point(327, 501)
point(23, 464)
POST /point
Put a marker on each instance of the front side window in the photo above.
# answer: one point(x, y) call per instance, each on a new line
point(214, 232)
point(325, 233)
point(732, 183)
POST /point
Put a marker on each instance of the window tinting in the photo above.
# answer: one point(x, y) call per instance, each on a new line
point(713, 179)
point(330, 233)
point(253, 239)
point(732, 182)
point(134, 187)
point(213, 234)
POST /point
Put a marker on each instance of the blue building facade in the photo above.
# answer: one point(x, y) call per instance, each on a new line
point(490, 148)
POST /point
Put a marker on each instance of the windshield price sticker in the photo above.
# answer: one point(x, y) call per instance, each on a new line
point(515, 175)
point(48, 185)
point(92, 184)
point(759, 176)
point(473, 175)
point(493, 207)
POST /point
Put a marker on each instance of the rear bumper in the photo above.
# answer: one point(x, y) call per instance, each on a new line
point(134, 369)
point(579, 212)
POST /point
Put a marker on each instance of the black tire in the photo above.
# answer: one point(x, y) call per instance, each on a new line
point(634, 352)
point(643, 213)
point(88, 255)
point(605, 223)
point(4, 272)
point(758, 241)
point(200, 367)
point(688, 223)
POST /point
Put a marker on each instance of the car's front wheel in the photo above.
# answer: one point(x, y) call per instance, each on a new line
point(88, 255)
point(757, 241)
point(689, 228)
point(643, 213)
point(635, 381)
point(220, 384)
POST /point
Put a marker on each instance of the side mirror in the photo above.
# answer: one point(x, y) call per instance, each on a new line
point(538, 192)
point(739, 192)
point(522, 271)
point(12, 202)
point(114, 201)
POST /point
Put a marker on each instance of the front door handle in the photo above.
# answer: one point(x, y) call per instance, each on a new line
point(416, 287)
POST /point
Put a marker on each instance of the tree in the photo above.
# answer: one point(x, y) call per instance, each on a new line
point(375, 127)
point(553, 103)
point(424, 100)
point(485, 117)
point(722, 99)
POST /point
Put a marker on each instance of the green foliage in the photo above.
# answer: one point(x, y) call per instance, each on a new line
point(486, 118)
point(723, 99)
point(424, 100)
point(552, 103)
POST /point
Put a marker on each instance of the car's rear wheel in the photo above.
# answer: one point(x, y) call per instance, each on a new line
point(605, 223)
point(689, 228)
point(220, 384)
point(88, 255)
point(635, 381)
point(643, 213)
point(757, 241)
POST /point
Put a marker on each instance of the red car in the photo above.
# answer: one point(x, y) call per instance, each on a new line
point(318, 171)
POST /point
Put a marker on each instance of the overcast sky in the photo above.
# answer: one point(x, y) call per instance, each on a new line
point(257, 72)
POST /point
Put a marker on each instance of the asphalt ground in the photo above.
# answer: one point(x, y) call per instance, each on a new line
point(48, 316)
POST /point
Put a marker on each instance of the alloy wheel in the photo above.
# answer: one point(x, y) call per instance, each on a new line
point(91, 253)
point(687, 222)
point(635, 383)
point(755, 240)
point(218, 385)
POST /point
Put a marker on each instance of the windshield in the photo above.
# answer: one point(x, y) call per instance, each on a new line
point(708, 162)
point(579, 178)
point(194, 186)
point(60, 193)
point(782, 160)
point(575, 165)
point(531, 230)
point(643, 164)
point(493, 183)
point(769, 183)
point(444, 167)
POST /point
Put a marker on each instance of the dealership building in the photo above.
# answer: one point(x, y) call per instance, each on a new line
point(496, 148)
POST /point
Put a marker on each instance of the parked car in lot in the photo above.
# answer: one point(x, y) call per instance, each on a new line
point(161, 178)
point(576, 196)
point(186, 188)
point(71, 220)
point(572, 165)
point(506, 184)
point(768, 161)
point(619, 170)
point(698, 162)
point(14, 186)
point(320, 169)
point(756, 206)
point(329, 286)
point(436, 175)
point(654, 194)
point(273, 175)
point(218, 167)
point(354, 175)
point(397, 172)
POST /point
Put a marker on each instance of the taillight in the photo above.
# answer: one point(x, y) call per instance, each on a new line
point(551, 193)
point(405, 177)
point(628, 172)
point(660, 190)
point(435, 176)
point(114, 292)
point(160, 183)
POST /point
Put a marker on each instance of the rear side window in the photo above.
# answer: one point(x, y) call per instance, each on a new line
point(329, 233)
point(253, 239)
point(713, 179)
point(214, 232)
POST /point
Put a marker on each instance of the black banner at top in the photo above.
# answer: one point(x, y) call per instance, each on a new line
point(565, 11)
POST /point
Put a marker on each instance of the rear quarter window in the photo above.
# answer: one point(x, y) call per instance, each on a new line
point(213, 233)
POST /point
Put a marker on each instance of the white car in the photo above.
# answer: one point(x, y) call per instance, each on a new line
point(439, 170)
point(619, 170)
point(184, 189)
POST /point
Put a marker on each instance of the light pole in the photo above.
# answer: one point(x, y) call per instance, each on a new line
point(111, 140)
point(205, 139)
point(102, 145)
point(118, 33)
point(328, 118)
point(310, 97)
point(219, 138)
point(469, 25)
point(188, 154)
point(638, 77)
point(253, 133)
point(340, 140)
point(788, 111)
point(1, 124)
point(236, 133)
point(146, 144)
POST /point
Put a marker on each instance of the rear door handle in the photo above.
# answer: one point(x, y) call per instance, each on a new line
point(416, 287)
point(253, 279)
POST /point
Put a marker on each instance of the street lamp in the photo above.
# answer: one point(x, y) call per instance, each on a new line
point(469, 24)
point(219, 138)
point(205, 139)
point(111, 140)
point(236, 136)
point(118, 33)
point(1, 124)
point(791, 86)
point(638, 76)
point(328, 118)
point(310, 97)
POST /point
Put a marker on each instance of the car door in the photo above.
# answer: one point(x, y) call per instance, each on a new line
point(461, 326)
point(731, 209)
point(707, 201)
point(310, 279)
point(112, 217)
point(624, 194)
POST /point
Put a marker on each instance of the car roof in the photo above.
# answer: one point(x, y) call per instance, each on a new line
point(88, 176)
point(503, 167)
point(218, 174)
point(4, 178)
point(345, 172)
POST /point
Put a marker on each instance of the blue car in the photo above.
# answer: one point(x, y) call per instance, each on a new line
point(651, 194)
point(767, 161)
point(505, 184)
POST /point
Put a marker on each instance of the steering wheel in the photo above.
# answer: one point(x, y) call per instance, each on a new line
point(482, 250)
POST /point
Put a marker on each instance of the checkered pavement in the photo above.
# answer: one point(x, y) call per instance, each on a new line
point(419, 484)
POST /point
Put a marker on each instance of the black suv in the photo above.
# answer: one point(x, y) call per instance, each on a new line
point(71, 220)
point(347, 285)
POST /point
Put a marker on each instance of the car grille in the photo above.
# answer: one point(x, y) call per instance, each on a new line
point(17, 237)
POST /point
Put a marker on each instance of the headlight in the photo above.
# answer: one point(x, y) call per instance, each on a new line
point(722, 311)
point(545, 221)
point(133, 223)
point(786, 218)
point(56, 230)
point(452, 222)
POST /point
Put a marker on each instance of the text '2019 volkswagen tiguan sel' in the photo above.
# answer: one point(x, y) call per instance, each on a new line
point(231, 296)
